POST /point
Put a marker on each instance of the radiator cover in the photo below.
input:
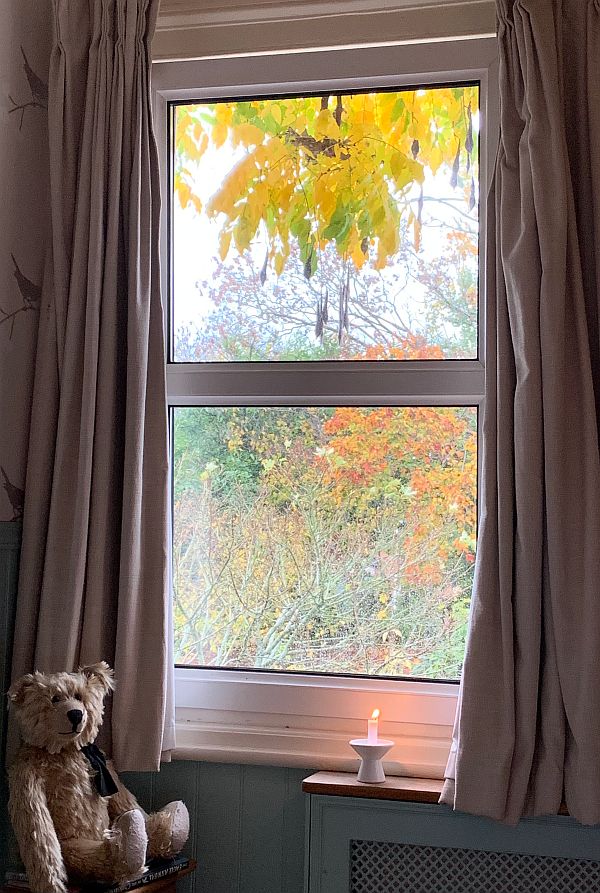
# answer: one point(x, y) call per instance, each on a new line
point(378, 867)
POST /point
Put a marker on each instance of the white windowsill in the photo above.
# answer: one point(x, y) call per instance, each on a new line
point(307, 721)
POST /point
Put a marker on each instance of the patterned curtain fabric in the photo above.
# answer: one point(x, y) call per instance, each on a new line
point(93, 581)
point(528, 731)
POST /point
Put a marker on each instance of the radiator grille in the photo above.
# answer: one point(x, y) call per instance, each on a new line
point(378, 867)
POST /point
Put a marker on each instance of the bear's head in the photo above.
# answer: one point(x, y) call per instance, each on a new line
point(59, 710)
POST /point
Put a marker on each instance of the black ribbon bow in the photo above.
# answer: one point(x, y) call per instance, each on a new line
point(103, 780)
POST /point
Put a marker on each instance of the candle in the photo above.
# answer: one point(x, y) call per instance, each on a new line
point(372, 734)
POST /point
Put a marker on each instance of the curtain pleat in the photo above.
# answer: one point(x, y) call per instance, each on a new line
point(528, 730)
point(93, 581)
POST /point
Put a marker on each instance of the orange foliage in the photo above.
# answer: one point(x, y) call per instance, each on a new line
point(424, 459)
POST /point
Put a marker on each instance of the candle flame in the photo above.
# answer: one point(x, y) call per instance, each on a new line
point(375, 714)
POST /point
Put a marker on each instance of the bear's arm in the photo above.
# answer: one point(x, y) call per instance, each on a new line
point(123, 800)
point(34, 830)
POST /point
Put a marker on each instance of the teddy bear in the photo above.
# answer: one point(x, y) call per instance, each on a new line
point(73, 818)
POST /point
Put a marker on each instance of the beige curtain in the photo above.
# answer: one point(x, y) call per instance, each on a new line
point(528, 732)
point(93, 581)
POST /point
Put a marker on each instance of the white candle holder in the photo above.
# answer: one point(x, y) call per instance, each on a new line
point(371, 755)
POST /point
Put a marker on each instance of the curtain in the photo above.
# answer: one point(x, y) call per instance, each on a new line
point(93, 579)
point(528, 730)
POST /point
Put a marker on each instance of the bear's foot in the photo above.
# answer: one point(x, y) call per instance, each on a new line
point(168, 830)
point(129, 843)
point(119, 856)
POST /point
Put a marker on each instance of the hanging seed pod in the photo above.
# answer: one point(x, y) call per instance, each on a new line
point(455, 167)
point(319, 322)
point(308, 265)
point(420, 205)
point(263, 270)
point(364, 246)
point(472, 195)
point(346, 299)
point(415, 148)
point(469, 137)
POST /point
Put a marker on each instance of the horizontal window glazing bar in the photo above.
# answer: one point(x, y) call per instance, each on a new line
point(448, 382)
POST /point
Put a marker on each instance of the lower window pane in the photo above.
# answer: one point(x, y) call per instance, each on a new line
point(324, 539)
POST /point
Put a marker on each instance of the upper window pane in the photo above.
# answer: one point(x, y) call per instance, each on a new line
point(327, 227)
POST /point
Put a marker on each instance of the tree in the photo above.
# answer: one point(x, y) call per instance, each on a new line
point(294, 318)
point(332, 170)
point(346, 547)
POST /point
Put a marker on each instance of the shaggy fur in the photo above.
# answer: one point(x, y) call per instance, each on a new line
point(64, 828)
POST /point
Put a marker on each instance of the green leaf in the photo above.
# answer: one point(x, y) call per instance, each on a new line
point(300, 227)
point(398, 109)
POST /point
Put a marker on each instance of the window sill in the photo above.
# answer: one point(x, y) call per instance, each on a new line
point(301, 748)
point(307, 722)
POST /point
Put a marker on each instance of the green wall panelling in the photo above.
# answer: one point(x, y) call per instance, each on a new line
point(10, 537)
point(247, 823)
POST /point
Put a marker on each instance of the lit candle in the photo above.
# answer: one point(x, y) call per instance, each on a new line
point(372, 735)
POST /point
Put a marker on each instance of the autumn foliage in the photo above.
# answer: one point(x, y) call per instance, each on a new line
point(335, 539)
point(327, 170)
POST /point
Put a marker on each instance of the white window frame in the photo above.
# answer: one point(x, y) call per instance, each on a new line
point(294, 719)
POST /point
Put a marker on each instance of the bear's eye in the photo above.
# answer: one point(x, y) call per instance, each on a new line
point(56, 699)
point(78, 697)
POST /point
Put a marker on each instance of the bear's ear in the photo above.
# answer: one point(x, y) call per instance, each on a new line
point(99, 675)
point(18, 690)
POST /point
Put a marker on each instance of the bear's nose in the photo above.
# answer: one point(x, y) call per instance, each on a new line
point(75, 716)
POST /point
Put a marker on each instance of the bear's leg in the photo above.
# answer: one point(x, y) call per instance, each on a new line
point(120, 856)
point(167, 830)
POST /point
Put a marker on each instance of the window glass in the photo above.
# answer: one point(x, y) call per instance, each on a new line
point(342, 226)
point(328, 539)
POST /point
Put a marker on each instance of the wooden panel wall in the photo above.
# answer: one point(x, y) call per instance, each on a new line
point(247, 823)
point(10, 534)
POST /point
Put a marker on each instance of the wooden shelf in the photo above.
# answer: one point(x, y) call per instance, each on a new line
point(395, 787)
point(345, 784)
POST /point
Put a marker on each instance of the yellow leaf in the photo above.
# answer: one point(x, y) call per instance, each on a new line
point(279, 263)
point(224, 243)
point(325, 199)
point(242, 235)
point(325, 125)
point(436, 157)
point(358, 256)
point(184, 193)
point(260, 156)
point(219, 134)
point(203, 144)
point(224, 113)
point(249, 134)
point(417, 233)
point(183, 121)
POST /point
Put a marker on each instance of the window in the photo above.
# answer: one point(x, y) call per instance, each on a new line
point(325, 377)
